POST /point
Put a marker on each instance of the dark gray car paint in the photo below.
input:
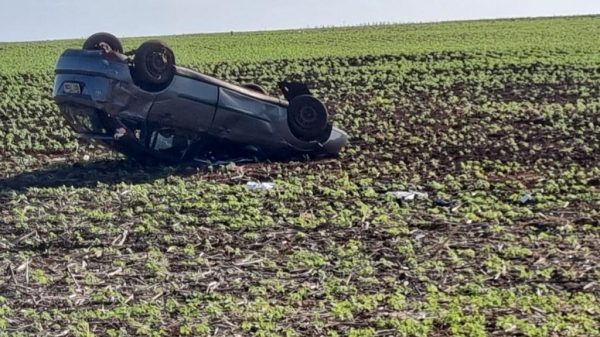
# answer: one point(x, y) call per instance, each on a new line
point(188, 104)
point(193, 102)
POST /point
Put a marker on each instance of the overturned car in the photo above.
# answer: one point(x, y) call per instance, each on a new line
point(143, 105)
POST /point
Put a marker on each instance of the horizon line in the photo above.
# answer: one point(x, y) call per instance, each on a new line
point(321, 27)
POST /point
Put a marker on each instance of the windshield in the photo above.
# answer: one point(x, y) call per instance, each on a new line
point(83, 119)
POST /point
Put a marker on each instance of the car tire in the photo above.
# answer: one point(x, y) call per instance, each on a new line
point(255, 87)
point(154, 63)
point(307, 117)
point(96, 41)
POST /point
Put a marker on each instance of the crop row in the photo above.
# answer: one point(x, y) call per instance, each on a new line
point(503, 109)
point(114, 247)
point(498, 122)
point(562, 36)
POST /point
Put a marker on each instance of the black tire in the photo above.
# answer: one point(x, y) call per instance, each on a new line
point(96, 41)
point(255, 87)
point(307, 117)
point(154, 63)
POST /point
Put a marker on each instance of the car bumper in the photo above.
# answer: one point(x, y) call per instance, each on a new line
point(336, 143)
point(91, 91)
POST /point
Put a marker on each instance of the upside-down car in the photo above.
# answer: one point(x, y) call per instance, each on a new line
point(142, 104)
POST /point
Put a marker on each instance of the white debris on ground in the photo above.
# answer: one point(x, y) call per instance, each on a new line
point(252, 185)
point(407, 195)
point(525, 198)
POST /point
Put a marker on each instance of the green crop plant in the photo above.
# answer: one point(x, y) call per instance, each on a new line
point(478, 114)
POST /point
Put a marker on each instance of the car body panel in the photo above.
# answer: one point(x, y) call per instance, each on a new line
point(188, 73)
point(242, 118)
point(92, 63)
point(193, 110)
point(188, 104)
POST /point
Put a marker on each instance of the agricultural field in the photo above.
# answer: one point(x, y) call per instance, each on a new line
point(498, 122)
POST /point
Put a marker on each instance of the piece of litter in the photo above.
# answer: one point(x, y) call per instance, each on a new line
point(120, 132)
point(407, 195)
point(420, 236)
point(525, 198)
point(443, 203)
point(86, 157)
point(252, 185)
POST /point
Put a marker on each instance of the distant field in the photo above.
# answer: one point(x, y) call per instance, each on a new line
point(498, 121)
point(577, 36)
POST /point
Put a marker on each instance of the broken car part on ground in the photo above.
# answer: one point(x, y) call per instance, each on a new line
point(143, 105)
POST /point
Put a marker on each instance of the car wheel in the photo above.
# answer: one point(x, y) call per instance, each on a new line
point(255, 87)
point(307, 117)
point(99, 40)
point(154, 63)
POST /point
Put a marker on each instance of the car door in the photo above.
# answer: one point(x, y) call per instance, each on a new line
point(187, 105)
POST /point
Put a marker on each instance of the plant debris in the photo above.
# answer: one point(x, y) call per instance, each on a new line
point(477, 114)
